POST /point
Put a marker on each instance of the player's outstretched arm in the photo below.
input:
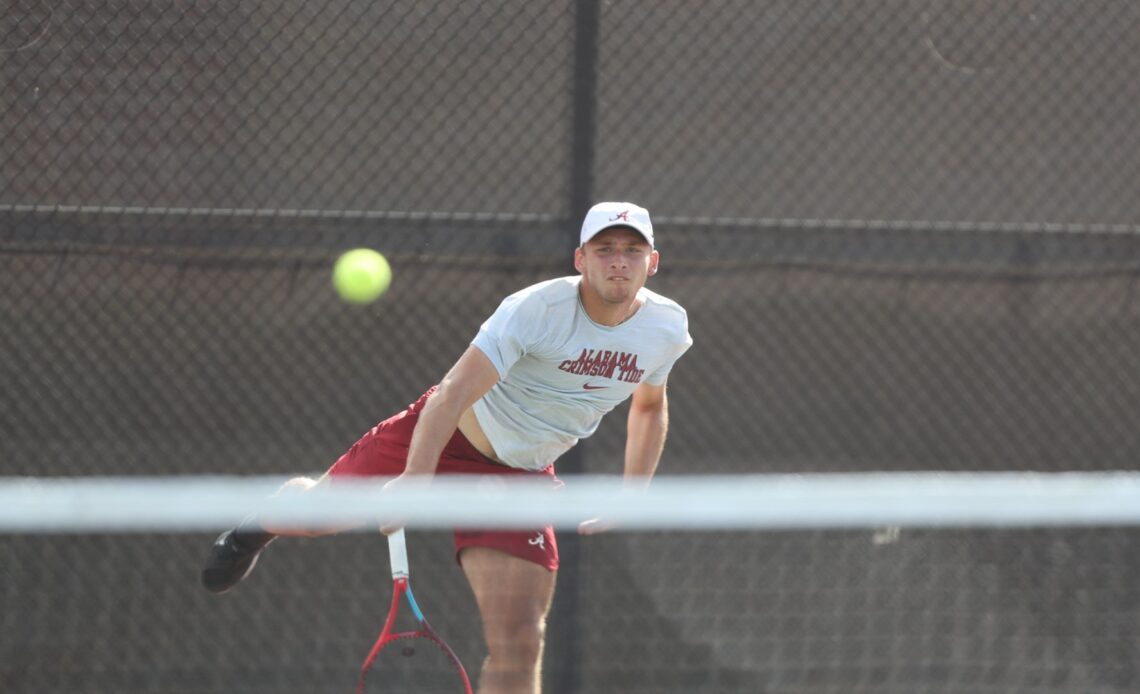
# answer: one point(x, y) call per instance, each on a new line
point(467, 381)
point(471, 377)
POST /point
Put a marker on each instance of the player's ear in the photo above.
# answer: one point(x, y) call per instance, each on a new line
point(654, 259)
point(578, 258)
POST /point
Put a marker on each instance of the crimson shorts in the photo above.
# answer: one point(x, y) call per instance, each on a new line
point(383, 451)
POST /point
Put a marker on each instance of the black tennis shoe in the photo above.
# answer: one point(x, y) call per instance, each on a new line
point(229, 562)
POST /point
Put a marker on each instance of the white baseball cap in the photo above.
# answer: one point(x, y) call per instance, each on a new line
point(605, 215)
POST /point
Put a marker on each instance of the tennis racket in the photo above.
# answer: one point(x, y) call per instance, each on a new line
point(416, 660)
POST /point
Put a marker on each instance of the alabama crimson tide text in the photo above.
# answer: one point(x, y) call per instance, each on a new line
point(604, 363)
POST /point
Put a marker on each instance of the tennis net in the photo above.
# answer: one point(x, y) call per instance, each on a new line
point(892, 582)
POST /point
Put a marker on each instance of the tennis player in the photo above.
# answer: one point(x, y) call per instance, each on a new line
point(539, 376)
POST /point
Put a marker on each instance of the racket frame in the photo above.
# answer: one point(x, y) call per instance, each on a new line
point(402, 592)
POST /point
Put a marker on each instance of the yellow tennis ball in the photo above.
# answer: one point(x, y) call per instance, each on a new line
point(361, 275)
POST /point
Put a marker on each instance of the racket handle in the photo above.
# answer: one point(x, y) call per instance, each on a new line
point(398, 554)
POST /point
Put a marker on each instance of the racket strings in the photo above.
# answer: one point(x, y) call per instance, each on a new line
point(414, 663)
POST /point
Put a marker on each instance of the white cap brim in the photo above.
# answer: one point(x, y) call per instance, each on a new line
point(606, 215)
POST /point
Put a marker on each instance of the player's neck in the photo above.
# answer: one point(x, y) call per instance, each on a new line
point(609, 314)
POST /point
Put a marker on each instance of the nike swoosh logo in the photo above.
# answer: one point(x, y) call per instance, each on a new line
point(587, 386)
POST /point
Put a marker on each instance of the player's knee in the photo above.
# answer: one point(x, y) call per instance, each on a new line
point(291, 488)
point(295, 485)
point(519, 641)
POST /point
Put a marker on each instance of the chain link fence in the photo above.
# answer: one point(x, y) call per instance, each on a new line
point(905, 231)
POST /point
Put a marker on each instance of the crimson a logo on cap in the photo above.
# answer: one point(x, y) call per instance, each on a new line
point(623, 216)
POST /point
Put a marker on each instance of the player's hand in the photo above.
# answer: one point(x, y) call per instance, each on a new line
point(393, 485)
point(594, 526)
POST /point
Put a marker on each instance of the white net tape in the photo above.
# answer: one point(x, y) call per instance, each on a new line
point(194, 504)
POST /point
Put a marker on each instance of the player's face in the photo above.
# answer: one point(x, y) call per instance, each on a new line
point(615, 264)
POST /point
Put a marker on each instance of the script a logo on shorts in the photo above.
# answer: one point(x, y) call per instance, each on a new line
point(538, 541)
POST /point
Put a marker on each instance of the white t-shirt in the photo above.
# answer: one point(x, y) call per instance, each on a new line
point(560, 371)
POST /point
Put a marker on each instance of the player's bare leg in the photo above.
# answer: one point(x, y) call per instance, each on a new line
point(234, 553)
point(295, 486)
point(514, 597)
